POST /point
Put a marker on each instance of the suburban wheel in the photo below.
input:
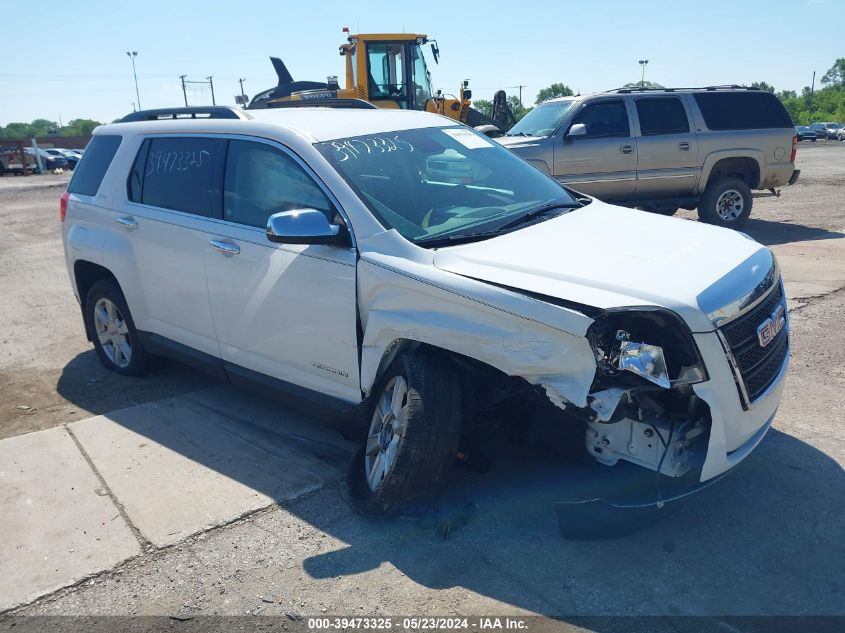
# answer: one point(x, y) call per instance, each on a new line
point(726, 202)
point(113, 331)
point(412, 439)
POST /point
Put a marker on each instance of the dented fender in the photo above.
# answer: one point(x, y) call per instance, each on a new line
point(518, 335)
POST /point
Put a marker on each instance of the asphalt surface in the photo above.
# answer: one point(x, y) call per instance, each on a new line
point(766, 540)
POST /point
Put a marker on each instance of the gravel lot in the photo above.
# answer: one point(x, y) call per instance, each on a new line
point(768, 540)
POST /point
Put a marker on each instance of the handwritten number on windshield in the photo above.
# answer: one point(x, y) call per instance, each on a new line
point(351, 149)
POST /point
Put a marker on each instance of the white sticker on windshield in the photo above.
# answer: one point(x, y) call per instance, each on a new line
point(468, 138)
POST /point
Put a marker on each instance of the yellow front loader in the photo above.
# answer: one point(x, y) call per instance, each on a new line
point(387, 70)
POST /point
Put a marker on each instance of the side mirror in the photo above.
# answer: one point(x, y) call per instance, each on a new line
point(578, 129)
point(302, 226)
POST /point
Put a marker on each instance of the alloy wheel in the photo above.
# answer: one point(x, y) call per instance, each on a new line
point(387, 431)
point(112, 332)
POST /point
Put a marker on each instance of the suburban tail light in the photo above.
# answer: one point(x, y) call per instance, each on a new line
point(794, 148)
point(63, 205)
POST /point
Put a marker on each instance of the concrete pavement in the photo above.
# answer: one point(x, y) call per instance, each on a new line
point(82, 498)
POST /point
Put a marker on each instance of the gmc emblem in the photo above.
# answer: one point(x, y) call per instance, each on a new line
point(769, 329)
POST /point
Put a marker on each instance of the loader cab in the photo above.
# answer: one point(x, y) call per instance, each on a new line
point(390, 71)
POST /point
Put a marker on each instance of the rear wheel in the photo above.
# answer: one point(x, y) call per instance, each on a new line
point(113, 332)
point(412, 440)
point(726, 202)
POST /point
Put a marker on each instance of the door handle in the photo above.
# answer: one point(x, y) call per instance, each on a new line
point(627, 149)
point(226, 248)
point(684, 147)
point(128, 223)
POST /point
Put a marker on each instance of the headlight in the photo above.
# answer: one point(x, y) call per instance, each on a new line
point(651, 344)
point(644, 360)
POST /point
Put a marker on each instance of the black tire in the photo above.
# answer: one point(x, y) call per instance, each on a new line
point(427, 450)
point(736, 191)
point(140, 361)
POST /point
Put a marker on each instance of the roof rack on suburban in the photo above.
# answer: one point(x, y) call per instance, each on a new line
point(198, 112)
point(652, 89)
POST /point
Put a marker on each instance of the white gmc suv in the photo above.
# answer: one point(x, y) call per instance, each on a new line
point(398, 264)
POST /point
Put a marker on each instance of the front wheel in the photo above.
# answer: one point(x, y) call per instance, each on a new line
point(412, 440)
point(726, 202)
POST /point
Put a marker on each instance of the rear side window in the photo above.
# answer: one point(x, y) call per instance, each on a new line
point(262, 180)
point(665, 115)
point(184, 174)
point(604, 119)
point(89, 173)
point(742, 110)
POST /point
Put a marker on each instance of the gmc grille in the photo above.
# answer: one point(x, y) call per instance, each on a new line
point(758, 366)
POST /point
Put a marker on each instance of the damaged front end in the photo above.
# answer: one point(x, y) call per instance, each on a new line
point(641, 410)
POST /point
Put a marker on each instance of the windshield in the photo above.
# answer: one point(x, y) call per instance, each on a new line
point(543, 120)
point(421, 77)
point(438, 182)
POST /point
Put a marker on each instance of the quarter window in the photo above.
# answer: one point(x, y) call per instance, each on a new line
point(604, 119)
point(742, 110)
point(184, 174)
point(262, 180)
point(662, 116)
point(89, 174)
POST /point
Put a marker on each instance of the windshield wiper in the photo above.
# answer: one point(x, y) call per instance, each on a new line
point(516, 134)
point(462, 238)
point(536, 212)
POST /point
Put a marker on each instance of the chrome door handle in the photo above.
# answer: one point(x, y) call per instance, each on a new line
point(130, 224)
point(226, 248)
point(627, 149)
point(684, 147)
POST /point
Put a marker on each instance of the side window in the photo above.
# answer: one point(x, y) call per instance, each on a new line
point(185, 174)
point(604, 119)
point(136, 176)
point(386, 71)
point(662, 115)
point(89, 174)
point(737, 110)
point(262, 180)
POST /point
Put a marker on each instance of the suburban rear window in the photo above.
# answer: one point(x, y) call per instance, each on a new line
point(742, 110)
point(93, 165)
point(183, 174)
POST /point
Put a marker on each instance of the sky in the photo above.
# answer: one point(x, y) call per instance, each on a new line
point(75, 64)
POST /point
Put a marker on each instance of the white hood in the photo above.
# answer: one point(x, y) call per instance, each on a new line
point(606, 256)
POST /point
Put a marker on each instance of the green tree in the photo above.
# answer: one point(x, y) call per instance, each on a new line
point(553, 92)
point(483, 106)
point(762, 85)
point(643, 84)
point(783, 95)
point(835, 75)
point(519, 110)
point(79, 127)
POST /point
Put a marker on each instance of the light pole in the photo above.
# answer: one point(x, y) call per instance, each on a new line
point(643, 63)
point(132, 57)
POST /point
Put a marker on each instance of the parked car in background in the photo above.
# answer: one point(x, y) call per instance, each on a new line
point(663, 149)
point(406, 271)
point(806, 133)
point(832, 129)
point(840, 134)
point(49, 161)
point(69, 155)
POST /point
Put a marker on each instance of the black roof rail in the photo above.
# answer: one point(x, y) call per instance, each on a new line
point(323, 103)
point(631, 89)
point(194, 112)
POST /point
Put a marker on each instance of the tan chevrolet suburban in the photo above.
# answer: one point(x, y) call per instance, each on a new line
point(664, 149)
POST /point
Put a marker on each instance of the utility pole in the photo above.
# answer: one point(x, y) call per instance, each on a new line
point(211, 83)
point(184, 92)
point(812, 88)
point(243, 94)
point(520, 93)
point(132, 57)
point(643, 63)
